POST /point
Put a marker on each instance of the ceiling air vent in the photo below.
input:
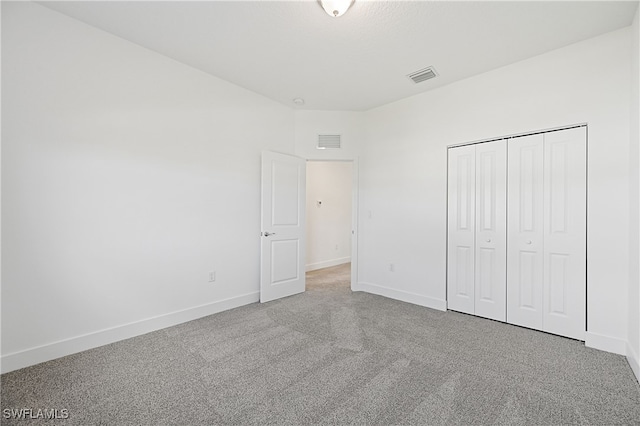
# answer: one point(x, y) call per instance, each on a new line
point(328, 141)
point(422, 75)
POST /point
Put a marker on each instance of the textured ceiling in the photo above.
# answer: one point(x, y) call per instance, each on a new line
point(285, 50)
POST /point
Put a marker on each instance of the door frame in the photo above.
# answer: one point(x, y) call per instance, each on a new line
point(354, 212)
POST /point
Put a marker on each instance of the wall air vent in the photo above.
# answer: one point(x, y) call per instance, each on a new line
point(328, 142)
point(423, 75)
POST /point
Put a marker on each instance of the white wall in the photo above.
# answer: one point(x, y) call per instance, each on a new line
point(126, 177)
point(0, 190)
point(403, 171)
point(328, 222)
point(633, 350)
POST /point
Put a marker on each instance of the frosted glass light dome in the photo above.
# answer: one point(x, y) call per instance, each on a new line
point(335, 8)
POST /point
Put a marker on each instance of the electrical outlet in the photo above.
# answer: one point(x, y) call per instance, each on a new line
point(212, 276)
point(392, 267)
point(336, 247)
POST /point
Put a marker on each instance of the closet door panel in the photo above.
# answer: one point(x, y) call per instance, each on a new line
point(525, 246)
point(490, 245)
point(461, 229)
point(564, 283)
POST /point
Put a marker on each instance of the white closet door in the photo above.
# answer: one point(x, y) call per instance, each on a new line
point(565, 180)
point(461, 229)
point(525, 248)
point(491, 221)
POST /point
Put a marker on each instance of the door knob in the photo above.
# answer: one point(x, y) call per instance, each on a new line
point(489, 240)
point(528, 241)
point(266, 234)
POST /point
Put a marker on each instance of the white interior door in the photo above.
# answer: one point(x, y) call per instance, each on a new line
point(565, 182)
point(282, 265)
point(491, 232)
point(525, 258)
point(461, 229)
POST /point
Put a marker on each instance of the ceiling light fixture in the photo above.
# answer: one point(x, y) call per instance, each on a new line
point(336, 8)
point(298, 101)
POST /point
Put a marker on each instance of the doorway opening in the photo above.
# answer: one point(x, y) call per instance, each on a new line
point(331, 208)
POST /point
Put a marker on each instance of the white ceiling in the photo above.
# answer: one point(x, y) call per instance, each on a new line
point(289, 49)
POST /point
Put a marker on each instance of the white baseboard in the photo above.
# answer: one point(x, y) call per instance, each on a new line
point(605, 343)
point(634, 361)
point(404, 296)
point(25, 358)
point(328, 263)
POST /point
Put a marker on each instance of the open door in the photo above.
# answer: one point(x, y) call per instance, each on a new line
point(282, 271)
